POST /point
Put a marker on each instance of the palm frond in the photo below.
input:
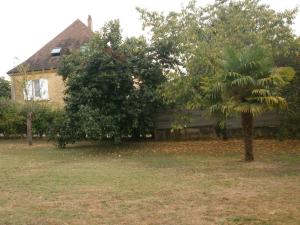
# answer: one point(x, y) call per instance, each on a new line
point(222, 108)
point(261, 92)
point(232, 75)
point(254, 109)
point(244, 81)
point(272, 80)
point(216, 90)
point(271, 101)
point(249, 83)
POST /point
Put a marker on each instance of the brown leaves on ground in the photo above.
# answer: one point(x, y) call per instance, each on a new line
point(170, 183)
point(267, 146)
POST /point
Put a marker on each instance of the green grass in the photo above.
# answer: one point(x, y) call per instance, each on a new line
point(149, 183)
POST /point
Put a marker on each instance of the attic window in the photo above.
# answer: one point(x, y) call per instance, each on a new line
point(56, 51)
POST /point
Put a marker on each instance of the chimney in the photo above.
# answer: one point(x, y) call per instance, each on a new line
point(90, 23)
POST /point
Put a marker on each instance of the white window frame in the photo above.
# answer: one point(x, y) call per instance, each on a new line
point(29, 94)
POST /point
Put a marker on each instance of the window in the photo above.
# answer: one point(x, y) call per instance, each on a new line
point(56, 51)
point(36, 90)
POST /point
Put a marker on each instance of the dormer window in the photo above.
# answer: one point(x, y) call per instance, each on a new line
point(56, 51)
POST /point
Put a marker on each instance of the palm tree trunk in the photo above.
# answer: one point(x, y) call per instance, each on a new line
point(247, 124)
point(29, 128)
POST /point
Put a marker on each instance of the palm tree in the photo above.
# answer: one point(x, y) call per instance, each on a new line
point(249, 85)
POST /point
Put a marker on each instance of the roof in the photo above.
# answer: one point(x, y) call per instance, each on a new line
point(69, 40)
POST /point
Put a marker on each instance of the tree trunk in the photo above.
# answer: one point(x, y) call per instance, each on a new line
point(224, 132)
point(247, 124)
point(29, 128)
point(135, 134)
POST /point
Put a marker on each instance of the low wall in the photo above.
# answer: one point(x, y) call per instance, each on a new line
point(200, 125)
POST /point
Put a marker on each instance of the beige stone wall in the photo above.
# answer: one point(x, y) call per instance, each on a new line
point(56, 87)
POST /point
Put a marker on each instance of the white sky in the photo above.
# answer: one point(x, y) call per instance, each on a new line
point(27, 25)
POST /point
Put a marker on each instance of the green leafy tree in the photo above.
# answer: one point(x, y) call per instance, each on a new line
point(98, 84)
point(12, 120)
point(110, 86)
point(196, 35)
point(147, 76)
point(291, 119)
point(4, 88)
point(199, 34)
point(249, 86)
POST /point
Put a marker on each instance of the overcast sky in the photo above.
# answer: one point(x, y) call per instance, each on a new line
point(28, 25)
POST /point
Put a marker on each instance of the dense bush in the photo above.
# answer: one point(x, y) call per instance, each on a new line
point(61, 132)
point(13, 119)
point(290, 126)
point(43, 119)
point(4, 88)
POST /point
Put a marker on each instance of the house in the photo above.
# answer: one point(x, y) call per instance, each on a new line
point(42, 81)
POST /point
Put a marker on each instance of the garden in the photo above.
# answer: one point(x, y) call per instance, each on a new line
point(95, 160)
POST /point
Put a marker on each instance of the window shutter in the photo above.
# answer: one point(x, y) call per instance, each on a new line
point(44, 89)
point(28, 94)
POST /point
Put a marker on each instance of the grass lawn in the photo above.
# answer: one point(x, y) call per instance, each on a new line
point(202, 182)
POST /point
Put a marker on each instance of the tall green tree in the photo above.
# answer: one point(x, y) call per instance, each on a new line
point(249, 86)
point(111, 86)
point(199, 34)
point(147, 74)
point(98, 86)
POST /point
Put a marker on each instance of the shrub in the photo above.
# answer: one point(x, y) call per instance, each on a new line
point(43, 117)
point(61, 131)
point(4, 88)
point(12, 120)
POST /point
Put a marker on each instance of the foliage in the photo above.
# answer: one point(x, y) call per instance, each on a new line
point(199, 34)
point(43, 118)
point(12, 120)
point(98, 85)
point(4, 88)
point(110, 86)
point(291, 119)
point(147, 75)
point(250, 83)
point(60, 131)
